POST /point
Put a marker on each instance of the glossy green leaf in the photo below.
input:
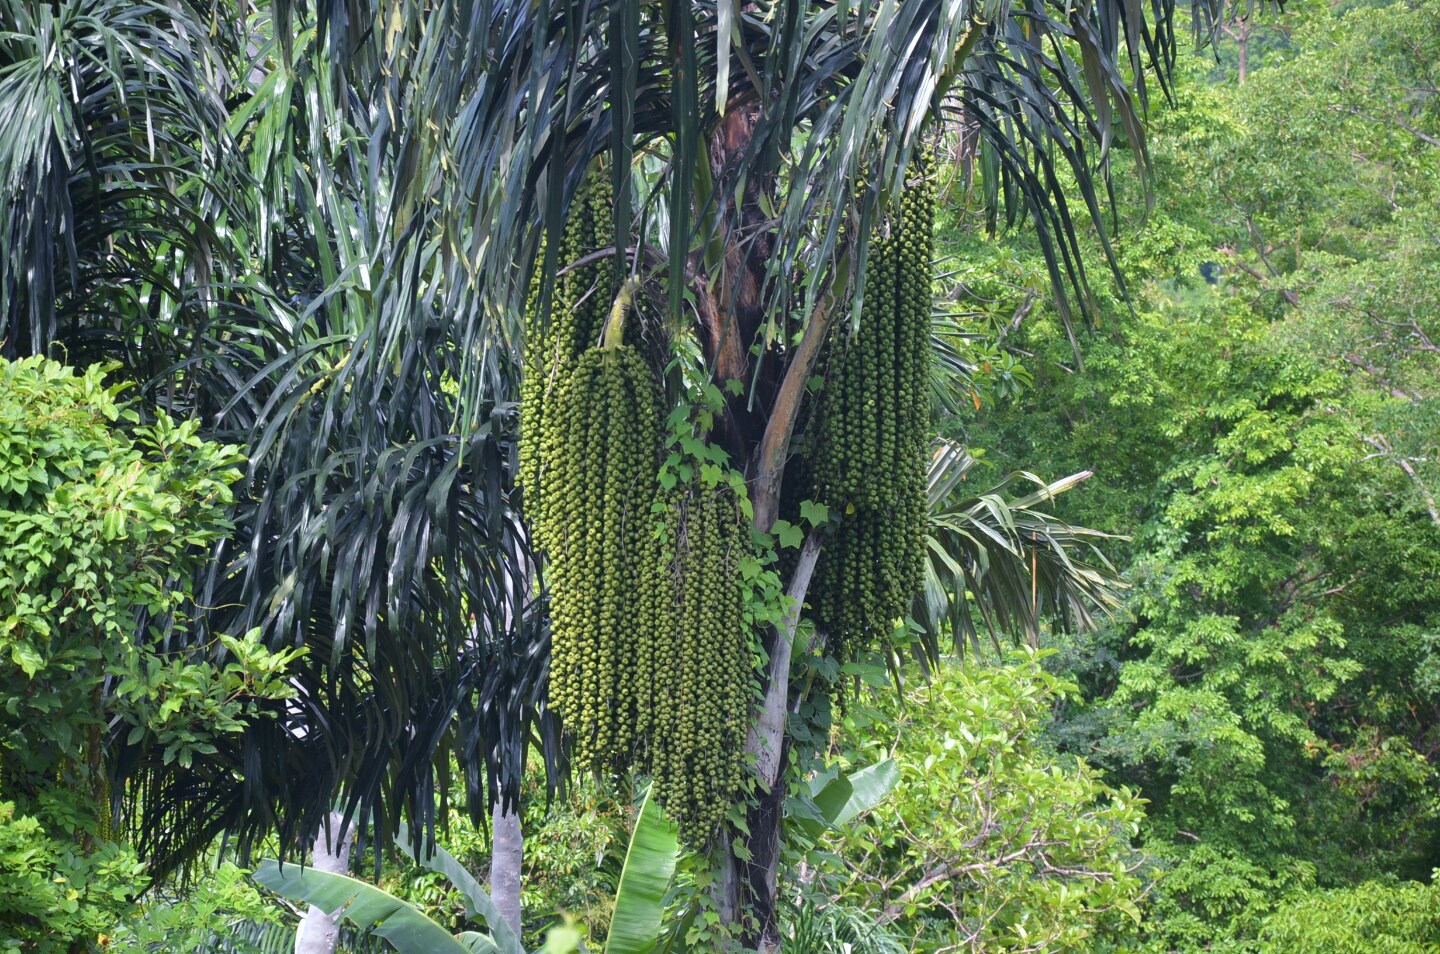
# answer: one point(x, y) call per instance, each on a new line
point(368, 907)
point(477, 899)
point(868, 787)
point(649, 867)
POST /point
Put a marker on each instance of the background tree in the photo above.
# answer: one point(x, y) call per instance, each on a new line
point(1272, 697)
point(990, 842)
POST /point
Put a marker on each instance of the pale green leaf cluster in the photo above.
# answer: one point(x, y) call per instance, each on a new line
point(990, 841)
point(1375, 917)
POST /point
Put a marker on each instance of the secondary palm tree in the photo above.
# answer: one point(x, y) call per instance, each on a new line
point(182, 199)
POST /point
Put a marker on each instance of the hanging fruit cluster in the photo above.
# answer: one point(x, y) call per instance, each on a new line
point(697, 661)
point(650, 648)
point(869, 459)
point(579, 306)
point(599, 483)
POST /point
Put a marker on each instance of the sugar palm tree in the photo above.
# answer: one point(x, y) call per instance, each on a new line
point(316, 225)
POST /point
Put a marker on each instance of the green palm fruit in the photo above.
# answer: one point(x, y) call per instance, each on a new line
point(601, 465)
point(700, 657)
point(578, 309)
point(869, 459)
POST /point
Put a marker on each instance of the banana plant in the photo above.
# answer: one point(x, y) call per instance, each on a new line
point(644, 880)
point(834, 799)
point(635, 924)
point(406, 927)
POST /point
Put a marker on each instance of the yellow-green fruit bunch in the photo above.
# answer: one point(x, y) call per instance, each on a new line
point(599, 480)
point(871, 450)
point(698, 664)
point(578, 310)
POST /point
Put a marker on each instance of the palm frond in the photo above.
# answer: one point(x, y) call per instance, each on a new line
point(1005, 559)
point(952, 361)
point(527, 96)
point(264, 273)
point(315, 229)
point(107, 169)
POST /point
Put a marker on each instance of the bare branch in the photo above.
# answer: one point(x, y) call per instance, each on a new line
point(768, 730)
point(1382, 446)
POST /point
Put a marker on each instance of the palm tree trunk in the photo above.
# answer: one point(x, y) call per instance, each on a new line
point(507, 843)
point(318, 932)
point(506, 859)
point(755, 881)
point(760, 438)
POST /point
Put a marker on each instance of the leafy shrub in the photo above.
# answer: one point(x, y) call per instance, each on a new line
point(103, 521)
point(220, 913)
point(52, 892)
point(1370, 918)
point(990, 842)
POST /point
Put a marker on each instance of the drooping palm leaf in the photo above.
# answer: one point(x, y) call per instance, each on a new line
point(530, 94)
point(952, 364)
point(184, 199)
point(108, 171)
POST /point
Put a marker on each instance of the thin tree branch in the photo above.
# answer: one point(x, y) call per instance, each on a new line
point(1383, 447)
point(1394, 390)
point(1354, 111)
point(652, 257)
point(768, 730)
point(1265, 280)
point(775, 444)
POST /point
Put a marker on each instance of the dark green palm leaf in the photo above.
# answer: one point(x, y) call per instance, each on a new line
point(259, 262)
point(535, 92)
point(107, 167)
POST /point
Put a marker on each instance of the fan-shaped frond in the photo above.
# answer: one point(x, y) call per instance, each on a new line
point(1005, 558)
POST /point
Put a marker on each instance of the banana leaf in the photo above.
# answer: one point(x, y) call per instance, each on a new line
point(649, 867)
point(407, 928)
point(477, 899)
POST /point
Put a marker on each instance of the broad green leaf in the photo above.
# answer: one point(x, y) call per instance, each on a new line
point(476, 897)
point(368, 907)
point(25, 656)
point(649, 867)
point(788, 534)
point(839, 799)
point(814, 513)
point(478, 943)
point(831, 799)
point(868, 788)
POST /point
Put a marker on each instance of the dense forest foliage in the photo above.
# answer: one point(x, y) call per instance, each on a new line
point(1233, 747)
point(1263, 427)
